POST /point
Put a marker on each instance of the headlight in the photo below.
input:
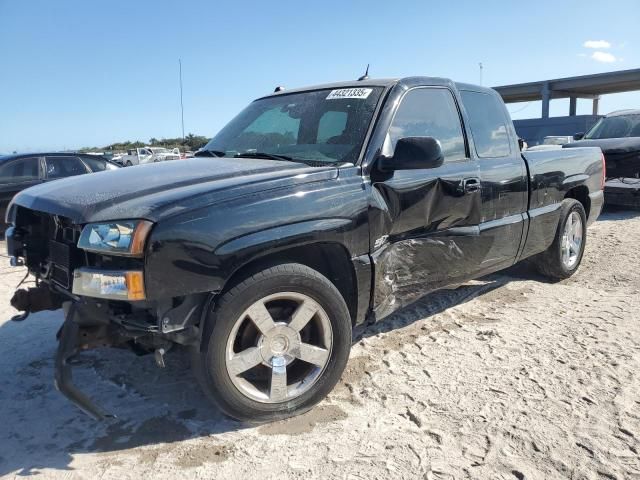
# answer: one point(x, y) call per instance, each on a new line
point(116, 285)
point(125, 237)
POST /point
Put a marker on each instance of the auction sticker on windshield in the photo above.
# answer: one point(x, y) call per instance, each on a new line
point(349, 93)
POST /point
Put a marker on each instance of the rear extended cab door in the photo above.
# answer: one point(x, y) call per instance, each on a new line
point(503, 175)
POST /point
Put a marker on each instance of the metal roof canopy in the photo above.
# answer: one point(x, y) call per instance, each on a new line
point(585, 86)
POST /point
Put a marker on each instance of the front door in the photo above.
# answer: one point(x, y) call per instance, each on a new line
point(432, 216)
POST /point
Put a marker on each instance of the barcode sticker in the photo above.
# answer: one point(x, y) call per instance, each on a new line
point(349, 93)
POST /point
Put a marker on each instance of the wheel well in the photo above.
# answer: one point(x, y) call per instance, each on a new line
point(330, 259)
point(581, 194)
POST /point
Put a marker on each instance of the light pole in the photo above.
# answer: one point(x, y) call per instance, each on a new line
point(181, 104)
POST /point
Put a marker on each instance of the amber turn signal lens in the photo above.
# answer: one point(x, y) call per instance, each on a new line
point(140, 237)
point(135, 286)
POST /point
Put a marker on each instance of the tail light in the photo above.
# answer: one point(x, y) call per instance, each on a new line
point(604, 171)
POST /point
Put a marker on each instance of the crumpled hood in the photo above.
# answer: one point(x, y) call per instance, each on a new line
point(610, 145)
point(159, 190)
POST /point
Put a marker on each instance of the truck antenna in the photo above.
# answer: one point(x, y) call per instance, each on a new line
point(366, 74)
point(480, 65)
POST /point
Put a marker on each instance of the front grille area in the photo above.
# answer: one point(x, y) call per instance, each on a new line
point(50, 245)
point(61, 268)
point(59, 253)
point(51, 252)
point(61, 276)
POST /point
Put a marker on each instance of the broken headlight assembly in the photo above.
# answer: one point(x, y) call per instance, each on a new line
point(119, 238)
point(115, 285)
point(126, 237)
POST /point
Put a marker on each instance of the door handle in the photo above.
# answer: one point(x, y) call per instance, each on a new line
point(470, 185)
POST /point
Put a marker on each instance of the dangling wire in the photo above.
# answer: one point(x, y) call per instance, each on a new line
point(22, 281)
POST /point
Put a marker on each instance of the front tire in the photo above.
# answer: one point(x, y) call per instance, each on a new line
point(562, 259)
point(277, 344)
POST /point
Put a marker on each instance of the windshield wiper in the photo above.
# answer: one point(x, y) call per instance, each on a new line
point(268, 156)
point(209, 153)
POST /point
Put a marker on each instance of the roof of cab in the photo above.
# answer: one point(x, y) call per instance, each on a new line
point(382, 82)
point(620, 113)
point(370, 82)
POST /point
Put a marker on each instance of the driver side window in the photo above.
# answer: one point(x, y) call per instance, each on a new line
point(428, 112)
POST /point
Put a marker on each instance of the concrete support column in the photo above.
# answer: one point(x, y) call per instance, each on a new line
point(596, 101)
point(573, 101)
point(546, 97)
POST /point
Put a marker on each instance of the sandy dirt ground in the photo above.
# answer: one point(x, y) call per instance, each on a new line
point(508, 377)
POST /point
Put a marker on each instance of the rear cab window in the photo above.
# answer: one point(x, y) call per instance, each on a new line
point(488, 124)
point(331, 126)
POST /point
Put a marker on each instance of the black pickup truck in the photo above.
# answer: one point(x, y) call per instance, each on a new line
point(312, 211)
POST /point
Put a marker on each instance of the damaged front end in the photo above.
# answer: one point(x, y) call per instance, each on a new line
point(101, 293)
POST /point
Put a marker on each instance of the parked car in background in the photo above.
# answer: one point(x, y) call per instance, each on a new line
point(108, 155)
point(144, 155)
point(618, 135)
point(557, 139)
point(20, 171)
point(552, 142)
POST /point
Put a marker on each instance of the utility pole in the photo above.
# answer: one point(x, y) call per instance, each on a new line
point(480, 65)
point(181, 104)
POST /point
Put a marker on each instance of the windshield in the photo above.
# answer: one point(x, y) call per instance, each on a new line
point(322, 126)
point(616, 127)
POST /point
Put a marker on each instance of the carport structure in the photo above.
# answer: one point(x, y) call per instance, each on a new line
point(585, 86)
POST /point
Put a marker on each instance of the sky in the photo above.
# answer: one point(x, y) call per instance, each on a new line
point(78, 73)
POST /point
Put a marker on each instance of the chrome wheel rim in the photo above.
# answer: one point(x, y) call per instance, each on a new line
point(572, 240)
point(279, 347)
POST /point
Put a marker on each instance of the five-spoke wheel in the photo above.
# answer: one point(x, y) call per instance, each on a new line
point(275, 344)
point(279, 347)
point(572, 239)
point(562, 258)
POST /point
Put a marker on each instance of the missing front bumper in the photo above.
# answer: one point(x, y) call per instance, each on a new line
point(72, 339)
point(68, 348)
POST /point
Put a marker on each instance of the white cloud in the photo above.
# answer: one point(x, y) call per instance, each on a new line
point(604, 57)
point(596, 44)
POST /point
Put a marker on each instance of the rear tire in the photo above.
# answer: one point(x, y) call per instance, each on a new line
point(562, 259)
point(128, 164)
point(274, 345)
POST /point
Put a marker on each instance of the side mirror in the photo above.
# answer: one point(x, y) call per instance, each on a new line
point(413, 153)
point(578, 136)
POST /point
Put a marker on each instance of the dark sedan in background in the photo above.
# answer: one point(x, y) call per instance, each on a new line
point(20, 171)
point(618, 135)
